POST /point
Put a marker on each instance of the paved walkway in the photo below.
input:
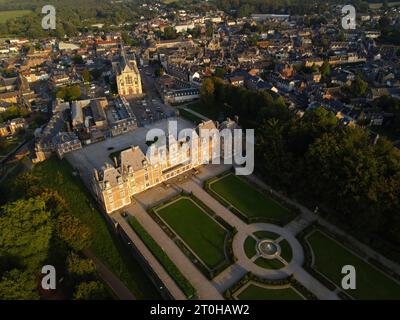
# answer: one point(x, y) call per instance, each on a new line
point(153, 262)
point(204, 288)
point(119, 289)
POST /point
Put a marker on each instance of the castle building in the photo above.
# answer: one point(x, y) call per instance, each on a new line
point(127, 76)
point(134, 172)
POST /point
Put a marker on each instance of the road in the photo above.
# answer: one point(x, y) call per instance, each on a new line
point(119, 289)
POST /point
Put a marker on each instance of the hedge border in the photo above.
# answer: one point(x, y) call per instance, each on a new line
point(290, 280)
point(293, 210)
point(169, 266)
point(228, 250)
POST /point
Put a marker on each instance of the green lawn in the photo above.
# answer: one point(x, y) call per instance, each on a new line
point(269, 263)
point(247, 199)
point(57, 175)
point(266, 235)
point(286, 250)
point(255, 292)
point(199, 231)
point(11, 14)
point(209, 112)
point(330, 257)
point(189, 116)
point(250, 247)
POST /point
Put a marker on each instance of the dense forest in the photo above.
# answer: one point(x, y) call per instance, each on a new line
point(353, 177)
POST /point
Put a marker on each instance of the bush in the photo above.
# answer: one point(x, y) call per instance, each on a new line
point(92, 290)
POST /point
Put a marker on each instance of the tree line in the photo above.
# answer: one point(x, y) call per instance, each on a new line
point(37, 229)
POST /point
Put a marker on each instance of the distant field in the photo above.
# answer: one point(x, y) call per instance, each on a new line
point(7, 15)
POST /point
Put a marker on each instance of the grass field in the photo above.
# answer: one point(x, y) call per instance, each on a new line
point(189, 116)
point(199, 231)
point(266, 235)
point(247, 199)
point(330, 257)
point(7, 15)
point(286, 250)
point(57, 175)
point(250, 247)
point(211, 113)
point(269, 263)
point(255, 292)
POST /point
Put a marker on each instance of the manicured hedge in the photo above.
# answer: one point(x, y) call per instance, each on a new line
point(290, 280)
point(281, 221)
point(164, 260)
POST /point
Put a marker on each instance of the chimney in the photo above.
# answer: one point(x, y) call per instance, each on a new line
point(96, 175)
point(115, 162)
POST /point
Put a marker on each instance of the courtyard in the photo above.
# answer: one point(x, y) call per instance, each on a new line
point(98, 154)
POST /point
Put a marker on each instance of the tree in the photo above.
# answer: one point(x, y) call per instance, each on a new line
point(207, 91)
point(18, 285)
point(169, 33)
point(86, 75)
point(25, 231)
point(69, 93)
point(219, 72)
point(92, 290)
point(359, 87)
point(125, 37)
point(73, 232)
point(325, 70)
point(305, 130)
point(80, 269)
point(77, 59)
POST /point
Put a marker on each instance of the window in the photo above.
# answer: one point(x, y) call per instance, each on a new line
point(128, 80)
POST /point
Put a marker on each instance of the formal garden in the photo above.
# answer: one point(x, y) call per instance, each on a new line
point(247, 201)
point(268, 250)
point(204, 237)
point(326, 256)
